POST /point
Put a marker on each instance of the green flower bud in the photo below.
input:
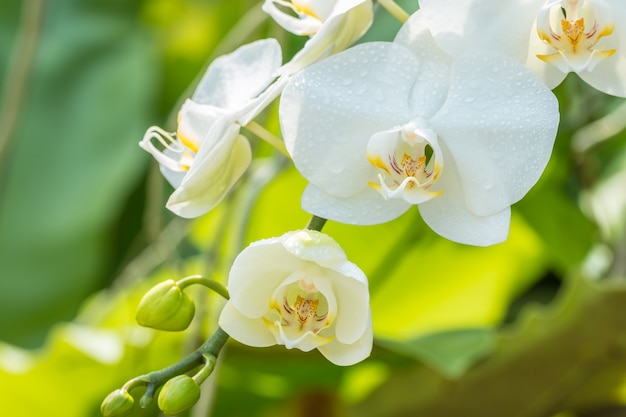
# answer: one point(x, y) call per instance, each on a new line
point(166, 307)
point(178, 394)
point(116, 404)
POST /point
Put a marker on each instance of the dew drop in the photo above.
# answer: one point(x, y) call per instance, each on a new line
point(335, 169)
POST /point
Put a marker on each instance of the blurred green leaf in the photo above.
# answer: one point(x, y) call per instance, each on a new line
point(450, 353)
point(435, 285)
point(566, 233)
point(544, 362)
point(606, 199)
point(73, 161)
point(271, 380)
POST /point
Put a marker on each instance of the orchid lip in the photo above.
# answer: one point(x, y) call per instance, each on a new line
point(299, 311)
point(409, 162)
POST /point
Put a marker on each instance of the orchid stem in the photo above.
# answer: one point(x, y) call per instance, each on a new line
point(268, 137)
point(396, 11)
point(209, 283)
point(206, 370)
point(316, 223)
point(205, 355)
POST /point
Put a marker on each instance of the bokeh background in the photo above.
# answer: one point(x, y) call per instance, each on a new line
point(535, 326)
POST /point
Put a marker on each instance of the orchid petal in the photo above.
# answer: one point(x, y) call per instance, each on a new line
point(619, 15)
point(549, 74)
point(499, 123)
point(194, 121)
point(349, 354)
point(214, 172)
point(323, 283)
point(348, 21)
point(252, 279)
point(351, 323)
point(174, 177)
point(461, 25)
point(310, 245)
point(431, 87)
point(366, 208)
point(305, 342)
point(337, 105)
point(321, 9)
point(257, 105)
point(252, 332)
point(303, 25)
point(609, 75)
point(449, 217)
point(233, 79)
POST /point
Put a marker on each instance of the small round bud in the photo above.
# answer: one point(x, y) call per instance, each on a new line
point(178, 394)
point(166, 307)
point(116, 404)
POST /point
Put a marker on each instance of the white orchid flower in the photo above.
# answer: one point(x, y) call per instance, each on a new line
point(552, 38)
point(384, 126)
point(299, 290)
point(333, 25)
point(207, 155)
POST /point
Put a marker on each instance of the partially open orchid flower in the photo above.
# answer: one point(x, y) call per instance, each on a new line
point(299, 290)
point(384, 126)
point(333, 25)
point(207, 155)
point(552, 38)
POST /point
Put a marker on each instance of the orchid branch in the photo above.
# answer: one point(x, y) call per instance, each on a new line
point(268, 137)
point(205, 355)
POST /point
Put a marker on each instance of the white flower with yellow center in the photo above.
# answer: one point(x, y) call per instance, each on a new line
point(552, 38)
point(333, 25)
point(207, 155)
point(574, 30)
point(299, 290)
point(383, 126)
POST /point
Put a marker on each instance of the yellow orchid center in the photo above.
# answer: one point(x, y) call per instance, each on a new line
point(187, 140)
point(574, 29)
point(305, 311)
point(409, 162)
point(299, 310)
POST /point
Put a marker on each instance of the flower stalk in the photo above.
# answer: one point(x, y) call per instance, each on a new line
point(316, 223)
point(395, 10)
point(268, 137)
point(209, 283)
point(205, 355)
